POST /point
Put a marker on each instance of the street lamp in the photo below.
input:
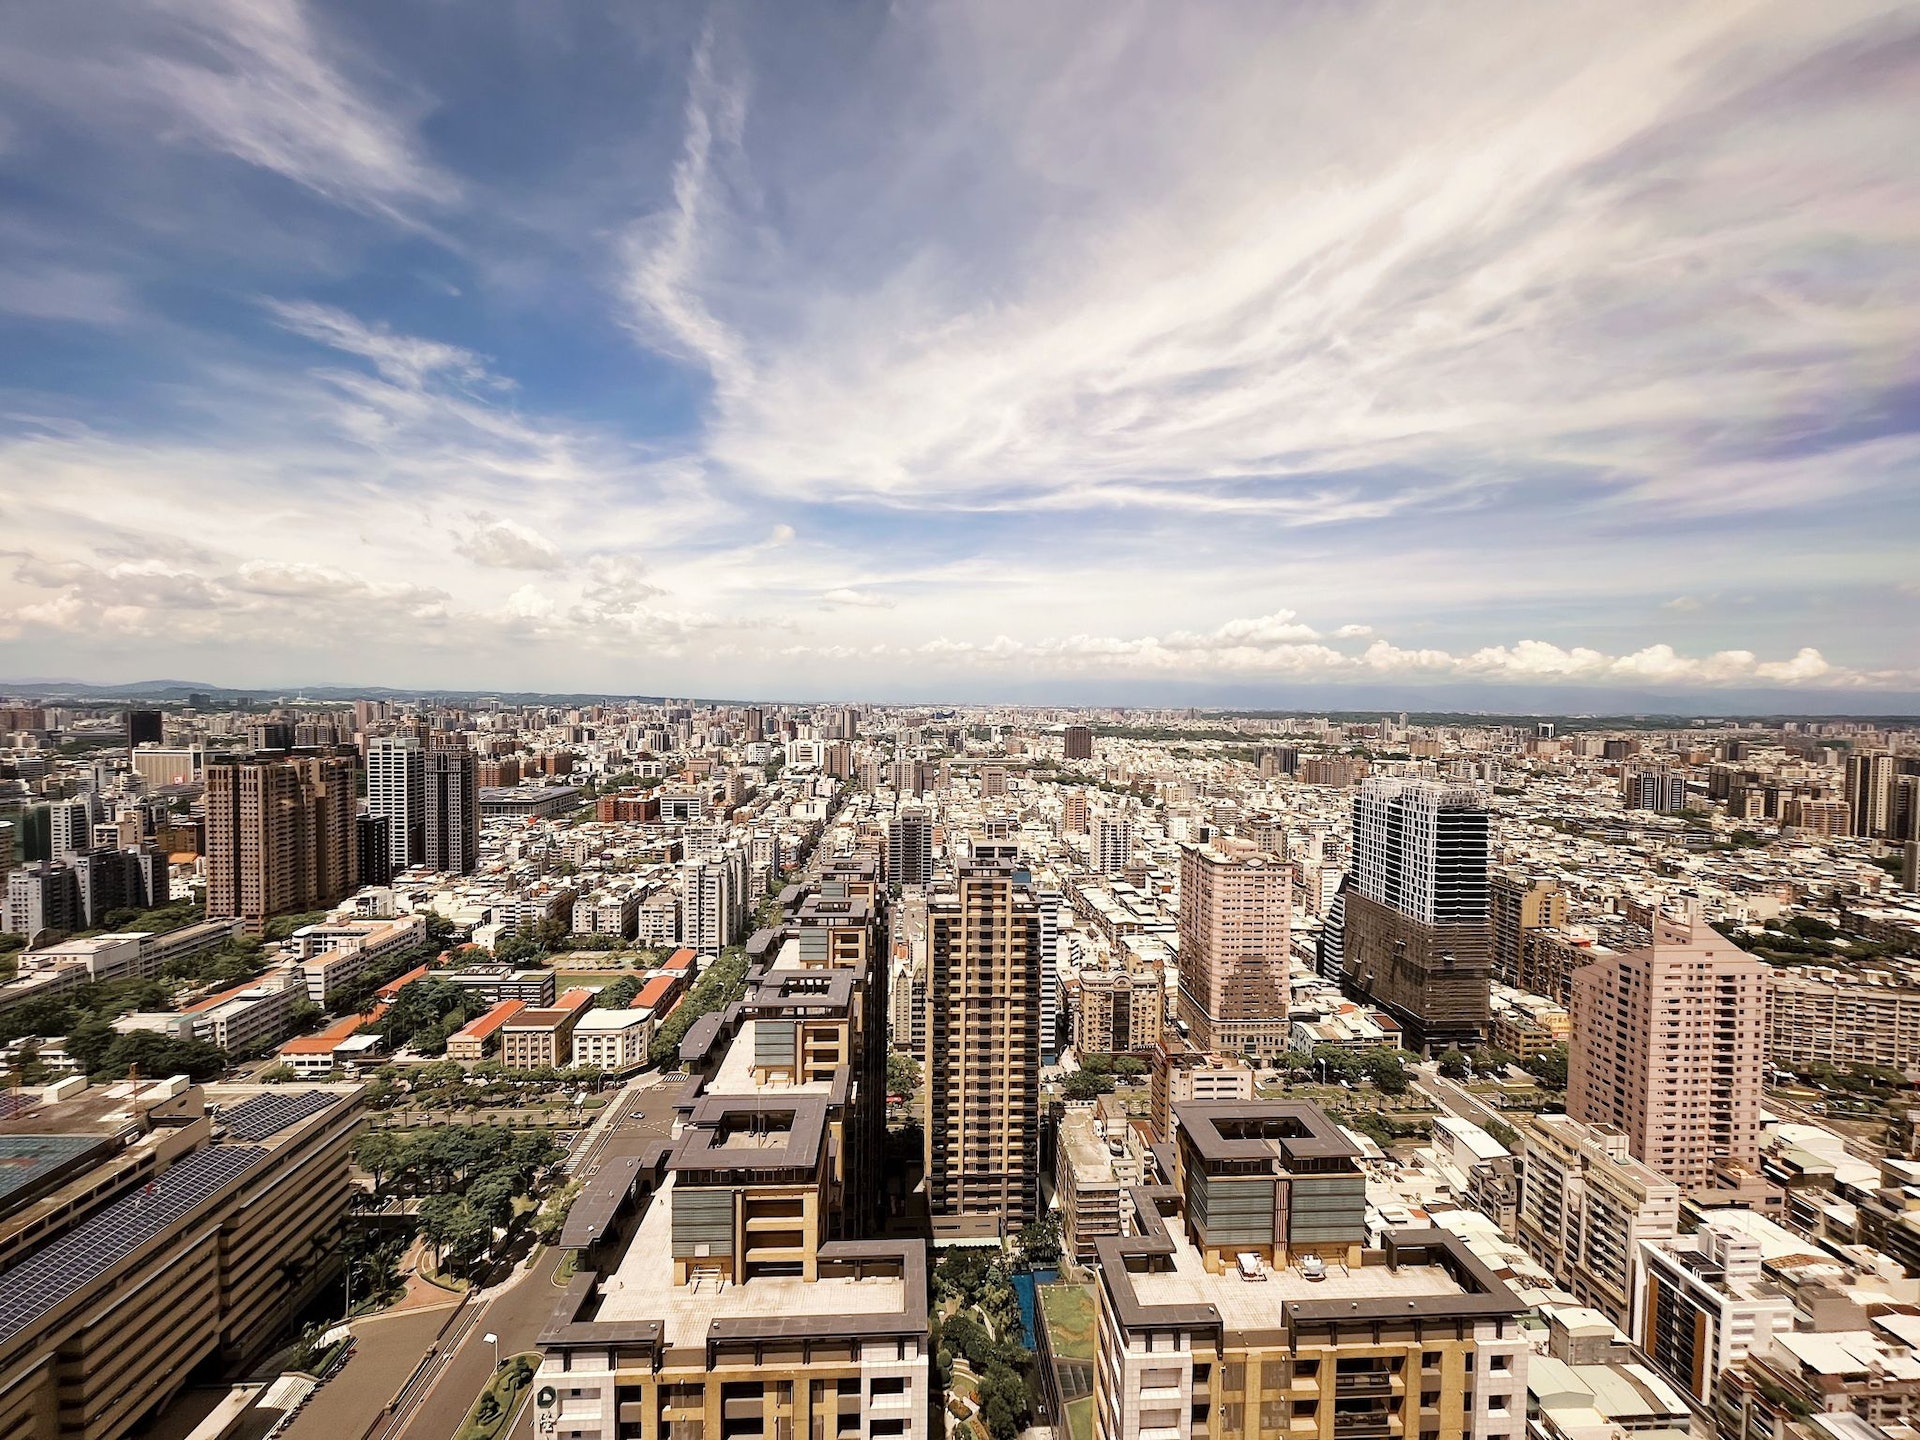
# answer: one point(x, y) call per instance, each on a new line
point(493, 1340)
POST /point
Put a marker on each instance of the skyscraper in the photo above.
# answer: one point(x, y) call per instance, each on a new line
point(1416, 939)
point(1653, 787)
point(983, 1053)
point(1077, 743)
point(910, 848)
point(1235, 916)
point(1869, 787)
point(452, 809)
point(1519, 903)
point(397, 793)
point(1668, 1047)
point(1112, 844)
point(144, 727)
point(280, 836)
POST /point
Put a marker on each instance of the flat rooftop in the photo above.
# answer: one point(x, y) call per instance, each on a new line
point(735, 1075)
point(1261, 1304)
point(642, 1288)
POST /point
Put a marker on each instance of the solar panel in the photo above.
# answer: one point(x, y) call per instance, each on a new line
point(13, 1104)
point(37, 1284)
point(266, 1115)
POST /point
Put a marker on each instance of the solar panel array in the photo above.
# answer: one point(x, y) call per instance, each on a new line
point(13, 1104)
point(37, 1284)
point(266, 1115)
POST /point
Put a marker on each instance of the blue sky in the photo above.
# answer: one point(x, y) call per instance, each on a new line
point(962, 350)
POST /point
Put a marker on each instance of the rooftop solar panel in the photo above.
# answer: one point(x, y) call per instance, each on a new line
point(32, 1288)
point(13, 1103)
point(266, 1115)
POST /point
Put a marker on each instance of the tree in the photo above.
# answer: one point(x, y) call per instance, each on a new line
point(1388, 1074)
point(903, 1075)
point(1549, 1067)
point(1003, 1402)
point(1086, 1085)
point(1490, 1060)
point(379, 1153)
point(1040, 1242)
point(618, 995)
point(1454, 1064)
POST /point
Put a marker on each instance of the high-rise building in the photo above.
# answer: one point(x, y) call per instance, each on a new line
point(280, 836)
point(1416, 938)
point(1235, 919)
point(910, 848)
point(1653, 787)
point(1077, 743)
point(1516, 905)
point(1669, 1044)
point(1869, 790)
point(71, 823)
point(983, 1060)
point(144, 727)
point(452, 791)
point(1112, 844)
point(375, 849)
point(754, 723)
point(708, 903)
point(1075, 817)
point(1048, 901)
point(397, 793)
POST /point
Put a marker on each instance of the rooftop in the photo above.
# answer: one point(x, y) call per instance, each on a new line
point(642, 1288)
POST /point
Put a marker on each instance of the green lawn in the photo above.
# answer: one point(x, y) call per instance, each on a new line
point(1069, 1311)
point(1080, 1418)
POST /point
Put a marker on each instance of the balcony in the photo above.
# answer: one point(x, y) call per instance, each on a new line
point(1366, 1382)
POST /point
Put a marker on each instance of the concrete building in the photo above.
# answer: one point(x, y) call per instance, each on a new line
point(1416, 938)
point(1586, 1205)
point(1088, 1180)
point(471, 1043)
point(910, 848)
point(543, 1039)
point(397, 793)
point(612, 1039)
point(1669, 1044)
point(1076, 743)
point(1235, 939)
point(983, 1052)
point(452, 805)
point(1247, 1302)
point(281, 836)
point(1182, 1073)
point(1653, 787)
point(1120, 1011)
point(141, 1245)
point(1518, 905)
point(709, 903)
point(1701, 1304)
point(1111, 838)
point(1841, 1017)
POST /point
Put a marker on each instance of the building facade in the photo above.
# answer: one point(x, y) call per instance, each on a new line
point(1235, 938)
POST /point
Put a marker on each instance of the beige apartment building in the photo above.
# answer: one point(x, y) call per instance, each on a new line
point(1517, 905)
point(1585, 1206)
point(1248, 1304)
point(149, 1236)
point(1235, 924)
point(1669, 1044)
point(281, 836)
point(1842, 1018)
point(543, 1039)
point(725, 1286)
point(983, 1053)
point(1120, 1010)
point(1182, 1072)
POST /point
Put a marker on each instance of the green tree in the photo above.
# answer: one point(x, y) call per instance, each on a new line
point(1549, 1067)
point(1040, 1242)
point(1454, 1064)
point(903, 1075)
point(1086, 1085)
point(1384, 1069)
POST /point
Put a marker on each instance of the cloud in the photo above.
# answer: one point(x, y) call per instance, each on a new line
point(846, 595)
point(509, 545)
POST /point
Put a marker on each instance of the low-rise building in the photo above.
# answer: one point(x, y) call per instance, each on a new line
point(543, 1039)
point(612, 1039)
point(471, 1042)
point(1088, 1165)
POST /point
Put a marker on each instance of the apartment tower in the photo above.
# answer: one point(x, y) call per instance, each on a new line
point(1417, 939)
point(281, 836)
point(1668, 1048)
point(983, 1060)
point(397, 792)
point(1077, 743)
point(452, 805)
point(910, 848)
point(1235, 919)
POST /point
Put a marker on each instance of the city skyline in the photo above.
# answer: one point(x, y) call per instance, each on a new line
point(965, 352)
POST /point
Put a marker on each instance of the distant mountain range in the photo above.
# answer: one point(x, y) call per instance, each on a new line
point(1433, 704)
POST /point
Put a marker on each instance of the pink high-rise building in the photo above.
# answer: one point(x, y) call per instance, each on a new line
point(1668, 1048)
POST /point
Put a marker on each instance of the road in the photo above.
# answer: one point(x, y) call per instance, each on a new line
point(518, 1310)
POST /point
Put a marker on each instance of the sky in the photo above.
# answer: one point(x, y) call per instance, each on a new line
point(1144, 352)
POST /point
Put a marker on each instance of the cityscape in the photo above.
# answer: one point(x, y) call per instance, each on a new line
point(1114, 720)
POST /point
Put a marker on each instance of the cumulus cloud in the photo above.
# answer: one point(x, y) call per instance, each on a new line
point(509, 545)
point(847, 595)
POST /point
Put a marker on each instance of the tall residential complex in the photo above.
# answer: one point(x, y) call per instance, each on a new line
point(1869, 790)
point(910, 848)
point(281, 835)
point(1077, 743)
point(1244, 1300)
point(1653, 787)
point(1518, 905)
point(983, 1052)
point(1112, 844)
point(1416, 936)
point(1235, 919)
point(1669, 1043)
point(726, 1283)
point(451, 787)
point(397, 793)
